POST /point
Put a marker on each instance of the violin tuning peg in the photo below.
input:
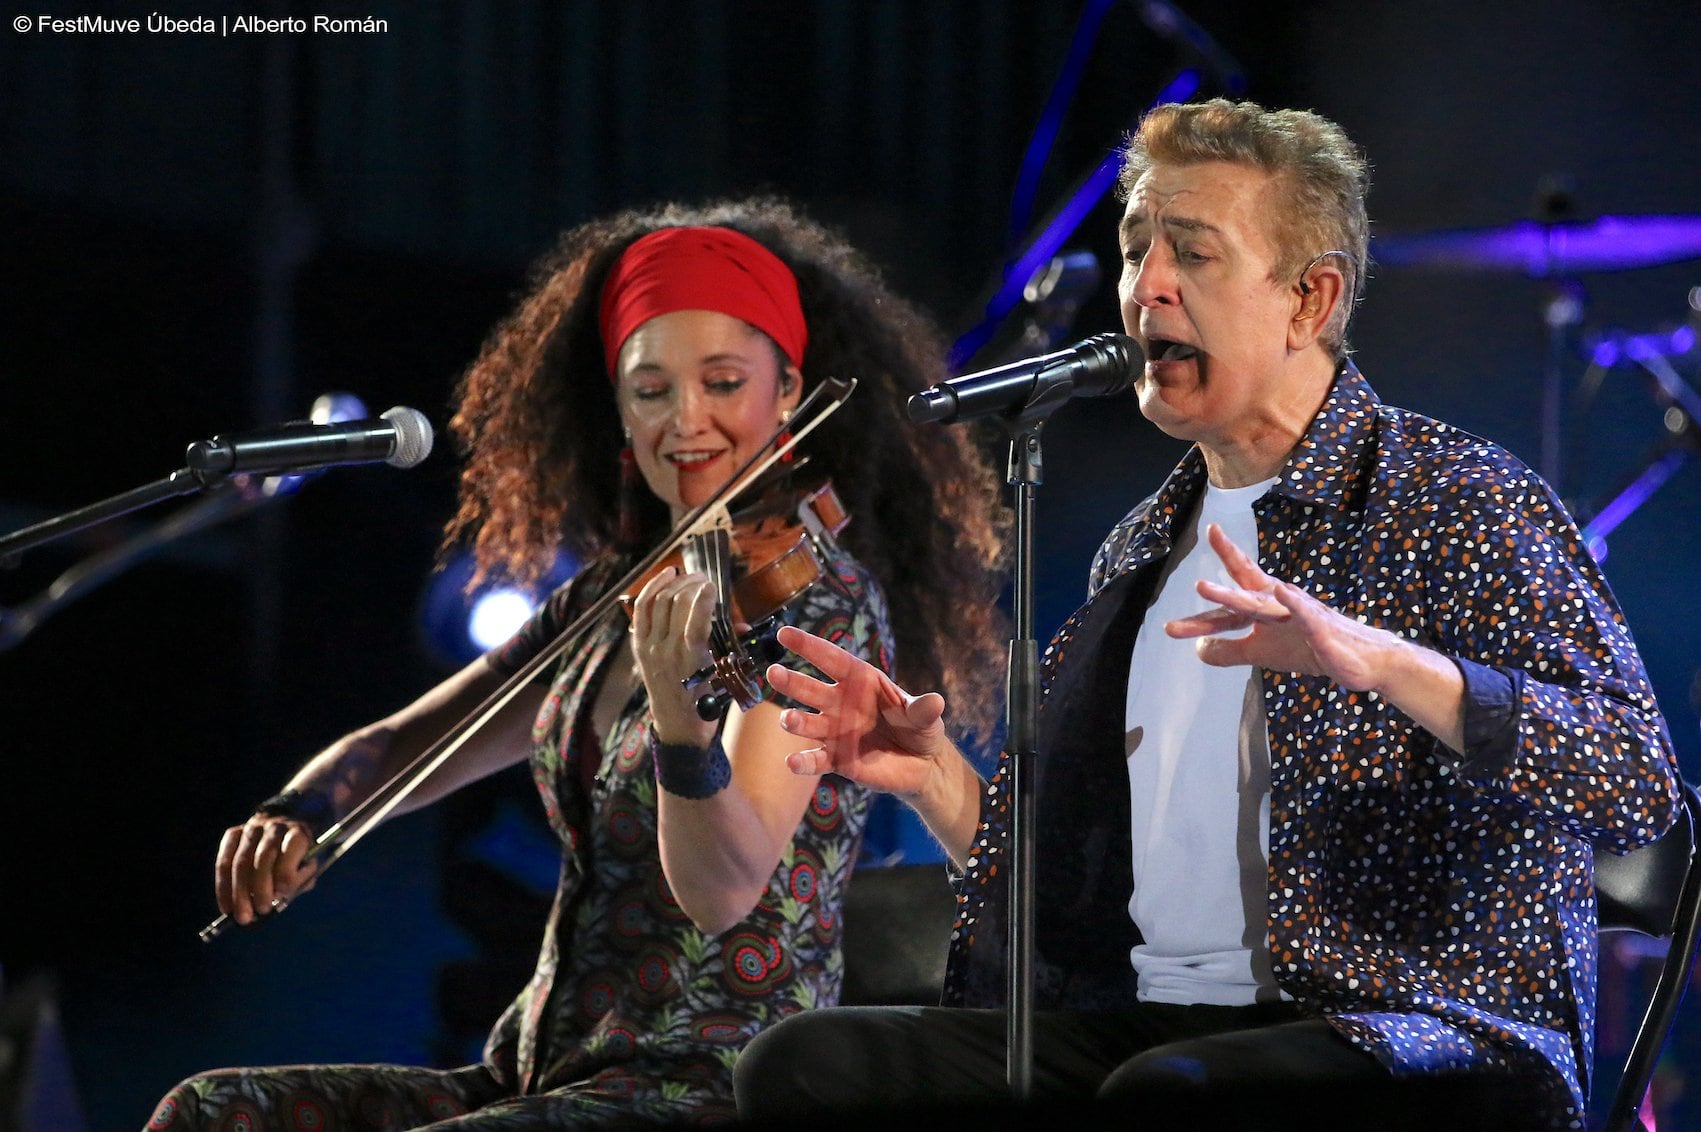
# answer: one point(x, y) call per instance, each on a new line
point(712, 707)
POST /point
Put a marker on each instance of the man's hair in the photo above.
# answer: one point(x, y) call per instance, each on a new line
point(1319, 181)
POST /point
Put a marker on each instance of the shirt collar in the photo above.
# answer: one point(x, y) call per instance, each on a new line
point(1325, 468)
point(1329, 463)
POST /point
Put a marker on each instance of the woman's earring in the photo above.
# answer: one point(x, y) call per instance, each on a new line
point(784, 437)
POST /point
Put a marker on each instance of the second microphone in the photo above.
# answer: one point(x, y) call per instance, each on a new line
point(1033, 388)
point(400, 437)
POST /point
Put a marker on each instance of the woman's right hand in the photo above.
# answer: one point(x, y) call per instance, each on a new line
point(260, 867)
point(867, 728)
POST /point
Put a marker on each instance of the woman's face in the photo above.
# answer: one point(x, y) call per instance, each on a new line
point(699, 393)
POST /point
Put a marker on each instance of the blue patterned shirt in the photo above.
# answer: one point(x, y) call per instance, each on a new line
point(1437, 907)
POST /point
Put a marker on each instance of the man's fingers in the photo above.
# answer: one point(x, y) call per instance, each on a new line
point(1242, 567)
point(832, 660)
point(1206, 623)
point(1226, 549)
point(810, 760)
point(1252, 603)
point(1223, 652)
point(923, 711)
point(1295, 600)
point(805, 724)
point(800, 686)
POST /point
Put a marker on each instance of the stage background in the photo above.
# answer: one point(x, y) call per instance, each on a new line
point(205, 232)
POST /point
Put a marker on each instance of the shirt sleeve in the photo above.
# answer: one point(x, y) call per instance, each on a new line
point(1491, 708)
point(1559, 712)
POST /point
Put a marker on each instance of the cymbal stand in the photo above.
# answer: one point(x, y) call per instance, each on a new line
point(1562, 310)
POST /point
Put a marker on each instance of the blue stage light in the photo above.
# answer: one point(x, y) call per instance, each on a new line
point(457, 624)
point(498, 615)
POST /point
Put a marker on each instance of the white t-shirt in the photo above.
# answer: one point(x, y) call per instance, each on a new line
point(1199, 788)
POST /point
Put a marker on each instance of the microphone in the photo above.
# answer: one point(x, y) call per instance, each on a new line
point(328, 408)
point(1032, 388)
point(400, 437)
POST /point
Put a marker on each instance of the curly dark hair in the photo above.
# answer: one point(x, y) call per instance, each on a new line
point(538, 428)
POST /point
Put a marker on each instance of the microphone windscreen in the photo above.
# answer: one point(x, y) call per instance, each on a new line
point(1109, 362)
point(413, 436)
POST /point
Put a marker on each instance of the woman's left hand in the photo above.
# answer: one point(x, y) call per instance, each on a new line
point(670, 641)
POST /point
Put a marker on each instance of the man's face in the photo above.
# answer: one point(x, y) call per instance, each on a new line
point(1196, 294)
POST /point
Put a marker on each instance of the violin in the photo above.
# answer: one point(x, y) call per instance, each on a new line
point(699, 527)
point(764, 558)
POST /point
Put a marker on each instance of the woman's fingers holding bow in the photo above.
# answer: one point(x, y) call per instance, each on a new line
point(262, 865)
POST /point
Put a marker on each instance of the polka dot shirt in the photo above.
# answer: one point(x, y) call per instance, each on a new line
point(1436, 906)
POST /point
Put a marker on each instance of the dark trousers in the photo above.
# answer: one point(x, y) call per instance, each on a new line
point(1151, 1066)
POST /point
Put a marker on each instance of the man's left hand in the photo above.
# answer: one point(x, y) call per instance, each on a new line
point(1291, 630)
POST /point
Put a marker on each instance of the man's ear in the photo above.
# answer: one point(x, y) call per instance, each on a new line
point(1316, 294)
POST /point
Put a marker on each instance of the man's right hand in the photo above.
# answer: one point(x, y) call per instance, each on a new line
point(866, 728)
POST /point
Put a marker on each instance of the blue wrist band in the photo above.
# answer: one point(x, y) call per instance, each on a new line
point(690, 771)
point(309, 807)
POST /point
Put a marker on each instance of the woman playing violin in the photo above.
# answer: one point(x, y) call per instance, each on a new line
point(701, 881)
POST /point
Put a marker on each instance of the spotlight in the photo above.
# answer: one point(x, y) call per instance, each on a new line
point(457, 625)
point(498, 615)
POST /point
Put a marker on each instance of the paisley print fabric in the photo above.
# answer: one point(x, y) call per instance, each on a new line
point(632, 1016)
point(1437, 908)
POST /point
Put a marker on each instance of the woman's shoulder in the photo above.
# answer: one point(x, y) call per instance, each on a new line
point(569, 600)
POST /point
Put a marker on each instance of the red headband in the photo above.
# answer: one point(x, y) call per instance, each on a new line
point(714, 269)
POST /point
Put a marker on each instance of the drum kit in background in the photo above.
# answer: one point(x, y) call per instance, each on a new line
point(1558, 251)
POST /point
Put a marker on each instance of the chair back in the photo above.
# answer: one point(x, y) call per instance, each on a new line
point(1656, 891)
point(897, 931)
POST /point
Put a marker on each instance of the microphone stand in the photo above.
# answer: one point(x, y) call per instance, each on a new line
point(181, 482)
point(1024, 472)
point(223, 503)
point(232, 494)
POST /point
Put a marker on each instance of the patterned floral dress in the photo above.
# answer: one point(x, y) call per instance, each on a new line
point(632, 1017)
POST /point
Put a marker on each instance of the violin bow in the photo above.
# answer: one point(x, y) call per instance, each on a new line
point(340, 837)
